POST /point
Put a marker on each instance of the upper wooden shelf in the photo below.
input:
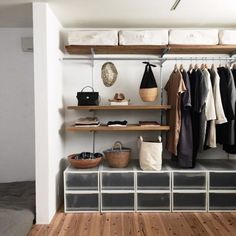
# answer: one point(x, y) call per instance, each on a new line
point(155, 50)
point(129, 107)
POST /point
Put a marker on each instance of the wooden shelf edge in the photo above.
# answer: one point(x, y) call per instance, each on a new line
point(127, 128)
point(150, 49)
point(129, 107)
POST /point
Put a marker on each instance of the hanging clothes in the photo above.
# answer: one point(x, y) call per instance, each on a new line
point(185, 145)
point(209, 137)
point(220, 116)
point(208, 107)
point(231, 149)
point(174, 87)
point(198, 92)
point(226, 132)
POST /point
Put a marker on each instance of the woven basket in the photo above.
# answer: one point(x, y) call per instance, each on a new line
point(118, 156)
point(84, 163)
point(149, 94)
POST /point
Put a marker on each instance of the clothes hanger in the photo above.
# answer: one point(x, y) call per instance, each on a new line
point(181, 68)
point(190, 69)
point(202, 66)
point(196, 66)
point(175, 68)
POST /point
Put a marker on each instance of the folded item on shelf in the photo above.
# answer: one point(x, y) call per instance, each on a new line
point(149, 123)
point(143, 37)
point(227, 37)
point(117, 123)
point(193, 36)
point(87, 121)
point(91, 125)
point(92, 37)
point(119, 103)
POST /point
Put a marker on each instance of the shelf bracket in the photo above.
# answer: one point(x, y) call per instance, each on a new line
point(165, 51)
point(233, 53)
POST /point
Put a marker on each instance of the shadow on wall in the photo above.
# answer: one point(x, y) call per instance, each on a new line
point(59, 182)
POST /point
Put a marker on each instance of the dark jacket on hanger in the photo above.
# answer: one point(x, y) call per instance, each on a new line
point(185, 145)
point(198, 92)
point(232, 148)
point(225, 133)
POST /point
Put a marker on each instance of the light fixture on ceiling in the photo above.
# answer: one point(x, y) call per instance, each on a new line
point(175, 5)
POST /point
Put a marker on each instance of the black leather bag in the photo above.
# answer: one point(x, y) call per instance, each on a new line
point(88, 98)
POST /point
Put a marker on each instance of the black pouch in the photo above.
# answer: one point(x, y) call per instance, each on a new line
point(88, 98)
point(148, 80)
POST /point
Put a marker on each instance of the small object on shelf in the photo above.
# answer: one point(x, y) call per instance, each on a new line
point(85, 160)
point(87, 122)
point(148, 88)
point(87, 98)
point(119, 100)
point(122, 103)
point(109, 74)
point(118, 156)
point(117, 123)
point(149, 123)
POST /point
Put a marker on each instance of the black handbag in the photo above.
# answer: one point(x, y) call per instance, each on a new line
point(88, 98)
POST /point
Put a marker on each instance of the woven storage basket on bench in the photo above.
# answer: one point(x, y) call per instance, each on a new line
point(118, 156)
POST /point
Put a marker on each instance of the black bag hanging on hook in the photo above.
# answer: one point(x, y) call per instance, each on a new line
point(148, 88)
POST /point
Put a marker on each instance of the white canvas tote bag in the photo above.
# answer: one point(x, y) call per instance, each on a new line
point(150, 154)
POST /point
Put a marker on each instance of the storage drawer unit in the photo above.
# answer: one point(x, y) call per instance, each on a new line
point(153, 202)
point(77, 202)
point(189, 180)
point(153, 181)
point(117, 201)
point(222, 201)
point(117, 181)
point(222, 180)
point(189, 202)
point(81, 181)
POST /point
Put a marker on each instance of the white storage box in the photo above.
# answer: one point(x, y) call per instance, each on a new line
point(227, 36)
point(193, 37)
point(143, 37)
point(92, 37)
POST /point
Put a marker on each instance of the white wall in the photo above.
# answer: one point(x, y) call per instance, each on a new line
point(17, 157)
point(48, 112)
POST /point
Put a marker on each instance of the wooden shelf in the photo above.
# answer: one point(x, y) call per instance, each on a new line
point(127, 128)
point(129, 107)
point(155, 50)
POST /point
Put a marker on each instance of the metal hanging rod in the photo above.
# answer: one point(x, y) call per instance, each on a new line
point(146, 58)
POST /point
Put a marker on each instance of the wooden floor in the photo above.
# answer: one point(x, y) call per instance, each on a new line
point(137, 224)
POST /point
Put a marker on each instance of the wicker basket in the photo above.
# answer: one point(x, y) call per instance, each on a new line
point(118, 156)
point(149, 94)
point(84, 163)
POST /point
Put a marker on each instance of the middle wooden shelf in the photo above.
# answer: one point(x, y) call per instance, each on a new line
point(131, 127)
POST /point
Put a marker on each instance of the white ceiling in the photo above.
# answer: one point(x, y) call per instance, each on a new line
point(125, 13)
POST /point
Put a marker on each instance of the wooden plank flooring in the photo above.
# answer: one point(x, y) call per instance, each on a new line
point(139, 224)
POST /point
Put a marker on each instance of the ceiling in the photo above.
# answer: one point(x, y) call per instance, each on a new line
point(125, 13)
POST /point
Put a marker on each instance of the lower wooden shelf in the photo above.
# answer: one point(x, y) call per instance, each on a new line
point(131, 127)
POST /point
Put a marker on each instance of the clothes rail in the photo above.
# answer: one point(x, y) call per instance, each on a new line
point(147, 58)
